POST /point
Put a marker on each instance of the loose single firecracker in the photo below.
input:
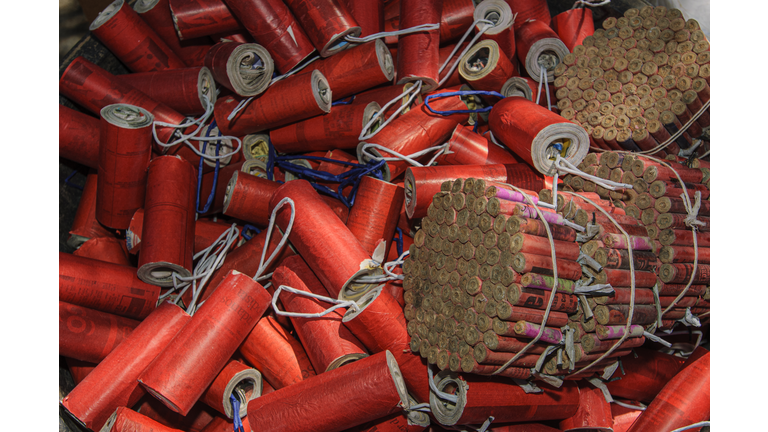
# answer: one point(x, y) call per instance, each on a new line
point(327, 23)
point(198, 18)
point(78, 137)
point(469, 148)
point(157, 14)
point(501, 31)
point(244, 68)
point(186, 90)
point(238, 380)
point(375, 213)
point(418, 53)
point(90, 335)
point(486, 67)
point(539, 47)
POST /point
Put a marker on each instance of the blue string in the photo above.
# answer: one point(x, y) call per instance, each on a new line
point(461, 93)
point(270, 159)
point(344, 101)
point(236, 414)
point(200, 173)
point(399, 241)
point(68, 183)
point(247, 227)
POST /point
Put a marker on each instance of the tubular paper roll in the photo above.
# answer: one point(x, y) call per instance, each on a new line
point(529, 10)
point(369, 15)
point(682, 254)
point(384, 94)
point(339, 129)
point(422, 183)
point(417, 130)
point(380, 324)
point(397, 422)
point(684, 400)
point(113, 382)
point(359, 392)
point(414, 371)
point(642, 377)
point(455, 18)
point(566, 269)
point(78, 137)
point(124, 419)
point(375, 213)
point(79, 369)
point(536, 299)
point(619, 258)
point(168, 232)
point(221, 424)
point(573, 25)
point(622, 278)
point(329, 344)
point(529, 129)
point(244, 68)
point(455, 78)
point(290, 100)
point(513, 314)
point(198, 18)
point(356, 70)
point(203, 346)
point(536, 245)
point(206, 232)
point(274, 27)
point(132, 41)
point(105, 287)
point(157, 14)
point(200, 415)
point(239, 37)
point(486, 67)
point(418, 53)
point(93, 88)
point(327, 23)
point(124, 152)
point(179, 89)
point(623, 417)
point(470, 148)
point(238, 380)
point(279, 357)
point(618, 314)
point(247, 198)
point(594, 411)
point(89, 335)
point(85, 226)
point(225, 174)
point(107, 249)
point(502, 32)
point(481, 397)
point(534, 39)
point(336, 257)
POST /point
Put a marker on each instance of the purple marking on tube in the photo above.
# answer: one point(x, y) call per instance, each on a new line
point(510, 195)
point(549, 335)
point(616, 332)
point(550, 217)
point(618, 241)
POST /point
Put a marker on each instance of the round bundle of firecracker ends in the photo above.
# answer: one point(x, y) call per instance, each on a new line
point(637, 81)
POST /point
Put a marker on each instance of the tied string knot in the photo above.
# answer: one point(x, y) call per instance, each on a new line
point(692, 210)
point(351, 305)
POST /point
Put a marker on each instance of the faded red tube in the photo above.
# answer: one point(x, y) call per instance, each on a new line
point(455, 18)
point(369, 15)
point(132, 41)
point(279, 357)
point(329, 344)
point(594, 411)
point(417, 130)
point(339, 129)
point(247, 198)
point(486, 67)
point(573, 25)
point(422, 183)
point(203, 346)
point(418, 53)
point(168, 233)
point(529, 10)
point(227, 61)
point(107, 249)
point(126, 420)
point(682, 402)
point(327, 23)
point(380, 324)
point(78, 137)
point(93, 88)
point(470, 148)
point(623, 417)
point(293, 99)
point(642, 377)
point(238, 380)
point(199, 416)
point(198, 18)
point(113, 382)
point(85, 226)
point(180, 89)
point(538, 47)
point(105, 286)
point(336, 400)
point(89, 335)
point(157, 14)
point(274, 27)
point(124, 152)
point(328, 247)
point(375, 212)
point(356, 70)
point(481, 397)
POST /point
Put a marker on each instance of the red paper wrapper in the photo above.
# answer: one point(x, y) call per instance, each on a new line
point(503, 32)
point(529, 10)
point(168, 233)
point(198, 18)
point(455, 19)
point(293, 99)
point(537, 44)
point(225, 174)
point(203, 346)
point(594, 411)
point(274, 27)
point(375, 213)
point(469, 148)
point(247, 198)
point(198, 418)
point(157, 14)
point(573, 25)
point(642, 377)
point(79, 369)
point(336, 400)
point(276, 354)
point(105, 286)
point(113, 382)
point(108, 249)
point(85, 226)
point(327, 23)
point(124, 153)
point(78, 137)
point(226, 61)
point(418, 53)
point(369, 15)
point(384, 94)
point(93, 88)
point(380, 324)
point(180, 89)
point(238, 380)
point(89, 335)
point(126, 420)
point(493, 73)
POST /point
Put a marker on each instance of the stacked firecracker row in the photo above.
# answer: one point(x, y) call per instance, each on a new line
point(479, 274)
